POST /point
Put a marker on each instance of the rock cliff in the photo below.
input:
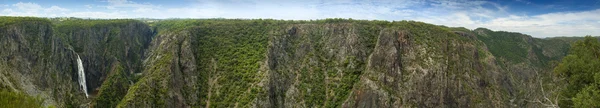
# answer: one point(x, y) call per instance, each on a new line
point(273, 63)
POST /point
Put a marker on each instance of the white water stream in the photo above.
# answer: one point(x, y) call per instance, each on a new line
point(81, 74)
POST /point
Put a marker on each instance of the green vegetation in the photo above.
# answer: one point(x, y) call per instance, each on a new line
point(231, 51)
point(342, 87)
point(6, 21)
point(18, 100)
point(114, 48)
point(517, 48)
point(36, 31)
point(77, 33)
point(237, 47)
point(173, 26)
point(507, 45)
point(581, 69)
point(241, 63)
point(113, 89)
point(150, 90)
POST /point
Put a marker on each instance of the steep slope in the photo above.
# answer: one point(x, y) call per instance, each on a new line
point(581, 71)
point(335, 63)
point(526, 64)
point(274, 63)
point(107, 47)
point(35, 62)
point(39, 55)
point(101, 43)
point(170, 78)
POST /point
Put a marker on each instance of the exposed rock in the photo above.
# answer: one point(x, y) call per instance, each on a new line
point(256, 63)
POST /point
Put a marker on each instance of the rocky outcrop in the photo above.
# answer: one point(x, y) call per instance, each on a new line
point(39, 58)
point(170, 75)
point(266, 63)
point(36, 62)
point(409, 64)
point(103, 43)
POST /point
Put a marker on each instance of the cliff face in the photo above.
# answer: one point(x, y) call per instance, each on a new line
point(39, 57)
point(35, 62)
point(342, 64)
point(405, 64)
point(268, 63)
point(170, 76)
point(101, 44)
point(110, 49)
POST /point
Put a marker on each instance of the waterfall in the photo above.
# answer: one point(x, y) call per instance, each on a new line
point(81, 74)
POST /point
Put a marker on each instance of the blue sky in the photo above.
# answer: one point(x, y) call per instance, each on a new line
point(539, 18)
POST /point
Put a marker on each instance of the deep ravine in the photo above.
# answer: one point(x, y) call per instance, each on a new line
point(273, 63)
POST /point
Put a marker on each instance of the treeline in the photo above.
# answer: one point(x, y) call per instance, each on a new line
point(5, 21)
point(581, 71)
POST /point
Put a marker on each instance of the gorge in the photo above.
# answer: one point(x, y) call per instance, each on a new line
point(275, 63)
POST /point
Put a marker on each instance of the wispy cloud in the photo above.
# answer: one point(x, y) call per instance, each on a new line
point(89, 6)
point(55, 9)
point(32, 9)
point(524, 1)
point(112, 4)
point(459, 13)
point(104, 15)
point(551, 24)
point(28, 8)
point(7, 11)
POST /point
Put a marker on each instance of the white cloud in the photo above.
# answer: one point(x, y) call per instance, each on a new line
point(545, 25)
point(299, 10)
point(28, 8)
point(55, 9)
point(473, 15)
point(104, 15)
point(7, 10)
point(113, 4)
point(523, 1)
point(457, 13)
point(145, 10)
point(551, 24)
point(246, 9)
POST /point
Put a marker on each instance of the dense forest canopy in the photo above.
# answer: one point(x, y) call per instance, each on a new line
point(581, 70)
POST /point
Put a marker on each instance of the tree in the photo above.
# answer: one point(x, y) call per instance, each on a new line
point(581, 69)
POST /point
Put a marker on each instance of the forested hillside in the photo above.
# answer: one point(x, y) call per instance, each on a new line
point(279, 63)
point(581, 71)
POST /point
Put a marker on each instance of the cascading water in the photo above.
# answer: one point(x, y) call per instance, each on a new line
point(81, 74)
